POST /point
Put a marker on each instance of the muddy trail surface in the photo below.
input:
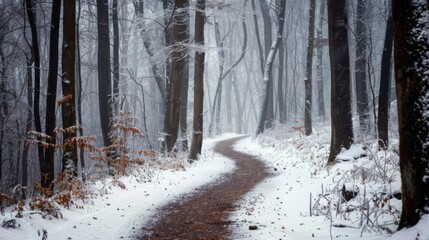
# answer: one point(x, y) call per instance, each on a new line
point(204, 214)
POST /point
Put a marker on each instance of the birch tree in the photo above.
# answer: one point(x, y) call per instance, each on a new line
point(268, 69)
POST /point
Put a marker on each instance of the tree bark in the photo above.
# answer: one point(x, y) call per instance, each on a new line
point(156, 70)
point(68, 86)
point(81, 166)
point(36, 57)
point(172, 112)
point(265, 9)
point(268, 69)
point(258, 37)
point(320, 45)
point(116, 76)
point(385, 82)
point(26, 157)
point(185, 86)
point(104, 80)
point(51, 95)
point(412, 87)
point(309, 70)
point(197, 133)
point(361, 69)
point(341, 115)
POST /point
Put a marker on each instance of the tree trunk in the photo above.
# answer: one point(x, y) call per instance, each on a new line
point(309, 70)
point(172, 112)
point(384, 92)
point(36, 57)
point(265, 9)
point(160, 81)
point(341, 115)
point(167, 5)
point(104, 80)
point(81, 166)
point(25, 154)
point(51, 95)
point(268, 68)
point(280, 85)
point(218, 95)
point(361, 69)
point(412, 87)
point(185, 86)
point(320, 45)
point(116, 80)
point(258, 37)
point(68, 86)
point(197, 133)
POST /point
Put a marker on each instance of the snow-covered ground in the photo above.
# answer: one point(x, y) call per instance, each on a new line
point(280, 206)
point(300, 200)
point(120, 213)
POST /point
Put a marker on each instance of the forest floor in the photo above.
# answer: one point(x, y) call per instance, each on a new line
point(204, 214)
point(274, 186)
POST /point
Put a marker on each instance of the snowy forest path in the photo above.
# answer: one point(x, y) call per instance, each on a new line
point(204, 215)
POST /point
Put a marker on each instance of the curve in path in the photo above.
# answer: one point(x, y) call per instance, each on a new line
point(204, 215)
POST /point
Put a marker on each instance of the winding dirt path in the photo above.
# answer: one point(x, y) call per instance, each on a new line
point(204, 215)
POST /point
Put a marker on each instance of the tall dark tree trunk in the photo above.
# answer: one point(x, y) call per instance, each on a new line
point(385, 82)
point(197, 133)
point(68, 85)
point(341, 114)
point(104, 80)
point(361, 68)
point(412, 87)
point(116, 80)
point(51, 95)
point(268, 69)
point(309, 70)
point(36, 57)
point(172, 112)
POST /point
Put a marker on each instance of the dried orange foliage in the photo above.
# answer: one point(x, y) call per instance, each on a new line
point(65, 99)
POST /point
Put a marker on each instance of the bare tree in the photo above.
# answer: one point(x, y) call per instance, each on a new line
point(36, 57)
point(51, 95)
point(341, 115)
point(179, 52)
point(361, 68)
point(320, 44)
point(104, 80)
point(68, 85)
point(156, 68)
point(411, 36)
point(197, 133)
point(309, 69)
point(116, 80)
point(385, 82)
point(268, 68)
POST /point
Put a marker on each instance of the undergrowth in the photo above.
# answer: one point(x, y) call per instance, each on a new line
point(125, 157)
point(374, 180)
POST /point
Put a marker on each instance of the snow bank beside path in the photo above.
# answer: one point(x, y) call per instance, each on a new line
point(279, 207)
point(122, 213)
